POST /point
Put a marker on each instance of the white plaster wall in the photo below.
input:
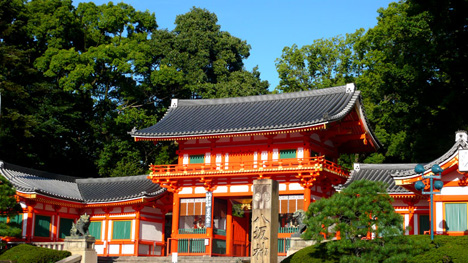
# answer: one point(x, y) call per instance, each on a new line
point(282, 187)
point(416, 224)
point(221, 189)
point(239, 188)
point(200, 190)
point(99, 249)
point(295, 186)
point(186, 190)
point(114, 249)
point(25, 219)
point(407, 224)
point(300, 152)
point(275, 154)
point(128, 249)
point(109, 233)
point(103, 230)
point(457, 190)
point(439, 217)
point(255, 158)
point(150, 231)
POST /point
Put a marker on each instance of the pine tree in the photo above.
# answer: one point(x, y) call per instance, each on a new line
point(361, 210)
point(9, 207)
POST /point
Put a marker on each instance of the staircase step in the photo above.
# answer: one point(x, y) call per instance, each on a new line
point(181, 259)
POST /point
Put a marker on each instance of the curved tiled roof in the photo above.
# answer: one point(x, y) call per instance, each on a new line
point(117, 188)
point(459, 144)
point(380, 173)
point(89, 190)
point(253, 113)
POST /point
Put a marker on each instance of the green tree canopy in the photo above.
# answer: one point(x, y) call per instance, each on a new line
point(76, 80)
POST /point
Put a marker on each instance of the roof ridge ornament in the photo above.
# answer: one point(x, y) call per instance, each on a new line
point(461, 136)
point(350, 88)
point(174, 103)
point(2, 164)
point(357, 167)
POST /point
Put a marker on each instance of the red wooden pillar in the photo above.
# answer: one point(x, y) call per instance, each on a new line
point(229, 230)
point(307, 197)
point(163, 234)
point(29, 222)
point(175, 220)
point(106, 231)
point(137, 229)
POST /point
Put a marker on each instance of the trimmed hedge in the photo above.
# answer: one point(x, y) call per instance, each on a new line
point(25, 253)
point(443, 249)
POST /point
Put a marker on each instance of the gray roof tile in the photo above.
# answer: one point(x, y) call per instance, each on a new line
point(380, 173)
point(89, 190)
point(253, 113)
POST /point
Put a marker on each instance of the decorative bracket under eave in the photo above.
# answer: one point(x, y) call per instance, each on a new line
point(171, 186)
point(307, 181)
point(464, 180)
point(208, 184)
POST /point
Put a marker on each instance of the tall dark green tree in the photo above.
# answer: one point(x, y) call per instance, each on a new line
point(75, 80)
point(201, 61)
point(9, 208)
point(409, 68)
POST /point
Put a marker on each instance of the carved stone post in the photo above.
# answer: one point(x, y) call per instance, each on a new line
point(83, 246)
point(265, 221)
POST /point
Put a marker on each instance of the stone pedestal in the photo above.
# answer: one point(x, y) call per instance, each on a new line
point(297, 244)
point(82, 246)
point(265, 199)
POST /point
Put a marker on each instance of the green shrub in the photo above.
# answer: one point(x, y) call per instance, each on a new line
point(443, 249)
point(313, 254)
point(411, 249)
point(31, 254)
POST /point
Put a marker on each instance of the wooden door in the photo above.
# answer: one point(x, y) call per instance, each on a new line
point(241, 233)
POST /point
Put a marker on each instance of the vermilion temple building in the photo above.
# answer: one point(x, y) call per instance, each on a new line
point(202, 204)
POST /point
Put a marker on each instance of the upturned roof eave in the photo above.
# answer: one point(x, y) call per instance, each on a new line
point(149, 137)
point(442, 160)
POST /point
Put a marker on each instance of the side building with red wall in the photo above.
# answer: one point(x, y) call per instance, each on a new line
point(127, 213)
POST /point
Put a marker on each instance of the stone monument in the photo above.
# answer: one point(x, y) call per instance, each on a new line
point(264, 221)
point(80, 242)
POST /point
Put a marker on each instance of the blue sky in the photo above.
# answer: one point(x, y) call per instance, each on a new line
point(269, 26)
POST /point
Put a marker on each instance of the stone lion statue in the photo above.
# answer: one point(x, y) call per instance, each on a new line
point(298, 219)
point(80, 229)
